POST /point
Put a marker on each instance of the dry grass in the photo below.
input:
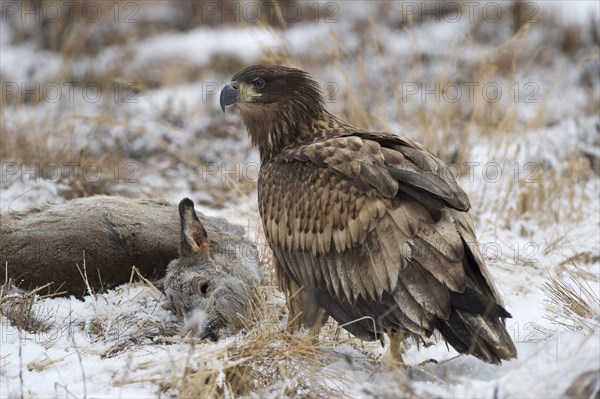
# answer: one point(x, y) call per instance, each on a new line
point(547, 196)
point(18, 308)
point(585, 385)
point(572, 302)
point(266, 363)
point(52, 151)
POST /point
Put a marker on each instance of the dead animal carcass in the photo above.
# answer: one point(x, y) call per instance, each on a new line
point(210, 270)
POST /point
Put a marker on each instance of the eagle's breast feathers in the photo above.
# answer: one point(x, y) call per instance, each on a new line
point(336, 201)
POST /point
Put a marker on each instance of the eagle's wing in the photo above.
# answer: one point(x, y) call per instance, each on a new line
point(374, 225)
point(387, 163)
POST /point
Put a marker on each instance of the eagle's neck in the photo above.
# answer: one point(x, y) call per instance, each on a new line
point(284, 127)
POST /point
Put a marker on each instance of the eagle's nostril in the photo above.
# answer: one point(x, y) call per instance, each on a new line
point(235, 85)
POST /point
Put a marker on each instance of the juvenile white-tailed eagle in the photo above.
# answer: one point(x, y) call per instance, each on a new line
point(369, 226)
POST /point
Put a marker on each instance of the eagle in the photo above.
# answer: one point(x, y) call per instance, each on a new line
point(367, 227)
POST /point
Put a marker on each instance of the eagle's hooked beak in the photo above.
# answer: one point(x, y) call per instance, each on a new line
point(229, 95)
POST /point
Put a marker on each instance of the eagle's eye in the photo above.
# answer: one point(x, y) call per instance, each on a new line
point(259, 83)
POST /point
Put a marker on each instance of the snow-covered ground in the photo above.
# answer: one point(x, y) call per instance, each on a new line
point(131, 108)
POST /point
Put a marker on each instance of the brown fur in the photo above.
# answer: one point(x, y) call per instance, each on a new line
point(45, 245)
point(111, 234)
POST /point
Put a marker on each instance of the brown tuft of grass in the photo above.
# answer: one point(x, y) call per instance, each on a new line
point(265, 362)
point(541, 191)
point(585, 385)
point(572, 302)
point(18, 308)
point(571, 40)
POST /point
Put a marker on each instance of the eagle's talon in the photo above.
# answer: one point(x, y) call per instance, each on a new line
point(394, 362)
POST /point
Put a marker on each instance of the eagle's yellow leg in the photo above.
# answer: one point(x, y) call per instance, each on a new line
point(293, 297)
point(393, 356)
point(315, 330)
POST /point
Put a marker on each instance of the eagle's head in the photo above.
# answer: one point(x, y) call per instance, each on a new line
point(277, 103)
point(260, 88)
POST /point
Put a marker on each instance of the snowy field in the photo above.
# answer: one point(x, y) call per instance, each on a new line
point(121, 98)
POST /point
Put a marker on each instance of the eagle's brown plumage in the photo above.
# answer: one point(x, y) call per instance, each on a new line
point(372, 226)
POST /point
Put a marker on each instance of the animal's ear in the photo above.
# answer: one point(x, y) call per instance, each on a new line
point(194, 239)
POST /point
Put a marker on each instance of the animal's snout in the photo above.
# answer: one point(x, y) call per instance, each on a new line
point(202, 325)
point(211, 330)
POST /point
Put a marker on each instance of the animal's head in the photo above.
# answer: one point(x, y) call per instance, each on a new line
point(199, 287)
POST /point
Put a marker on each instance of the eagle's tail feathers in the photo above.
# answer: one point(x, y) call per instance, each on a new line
point(483, 337)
